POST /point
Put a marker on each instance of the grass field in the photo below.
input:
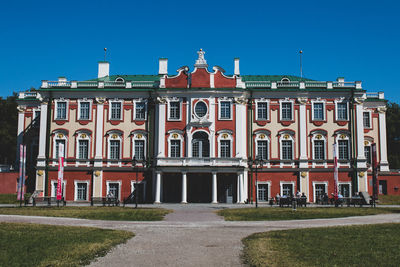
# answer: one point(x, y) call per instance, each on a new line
point(11, 198)
point(276, 214)
point(47, 245)
point(389, 200)
point(94, 213)
point(367, 245)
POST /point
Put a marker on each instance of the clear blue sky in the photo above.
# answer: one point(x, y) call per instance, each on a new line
point(359, 40)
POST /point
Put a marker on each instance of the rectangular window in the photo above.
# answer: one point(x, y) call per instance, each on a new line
point(225, 112)
point(287, 152)
point(116, 110)
point(139, 149)
point(286, 111)
point(366, 120)
point(140, 110)
point(61, 111)
point(83, 149)
point(84, 110)
point(54, 192)
point(367, 153)
point(225, 148)
point(344, 190)
point(287, 189)
point(262, 111)
point(342, 111)
point(114, 149)
point(113, 188)
point(175, 148)
point(58, 142)
point(343, 149)
point(318, 111)
point(262, 192)
point(36, 119)
point(319, 150)
point(262, 149)
point(174, 110)
point(81, 191)
point(319, 191)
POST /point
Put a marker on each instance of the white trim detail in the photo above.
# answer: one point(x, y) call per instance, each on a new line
point(87, 182)
point(319, 182)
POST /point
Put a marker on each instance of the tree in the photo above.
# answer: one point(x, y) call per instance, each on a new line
point(8, 129)
point(393, 134)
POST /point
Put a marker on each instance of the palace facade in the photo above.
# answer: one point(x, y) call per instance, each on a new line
point(202, 135)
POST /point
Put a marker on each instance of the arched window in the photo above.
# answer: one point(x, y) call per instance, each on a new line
point(120, 80)
point(200, 145)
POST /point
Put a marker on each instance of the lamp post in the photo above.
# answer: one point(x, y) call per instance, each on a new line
point(134, 162)
point(257, 161)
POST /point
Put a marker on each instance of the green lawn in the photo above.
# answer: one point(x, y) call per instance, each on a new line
point(94, 213)
point(47, 245)
point(388, 200)
point(366, 245)
point(276, 214)
point(11, 198)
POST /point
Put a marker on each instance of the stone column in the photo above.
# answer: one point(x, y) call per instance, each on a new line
point(184, 188)
point(214, 188)
point(41, 160)
point(21, 124)
point(239, 188)
point(158, 188)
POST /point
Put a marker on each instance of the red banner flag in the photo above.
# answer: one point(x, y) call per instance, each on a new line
point(21, 173)
point(60, 170)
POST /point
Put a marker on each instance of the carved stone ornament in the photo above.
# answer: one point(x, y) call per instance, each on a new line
point(361, 174)
point(201, 62)
point(161, 100)
point(40, 172)
point(240, 100)
point(21, 108)
point(359, 100)
point(366, 143)
point(303, 174)
point(97, 173)
point(381, 109)
point(175, 136)
point(100, 100)
point(139, 136)
point(302, 100)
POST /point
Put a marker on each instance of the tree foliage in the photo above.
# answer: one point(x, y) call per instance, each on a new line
point(8, 129)
point(393, 134)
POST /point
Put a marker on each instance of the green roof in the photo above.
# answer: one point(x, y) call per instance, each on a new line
point(247, 78)
point(129, 78)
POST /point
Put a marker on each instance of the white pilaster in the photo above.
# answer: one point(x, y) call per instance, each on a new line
point(158, 188)
point(21, 120)
point(360, 137)
point(240, 129)
point(41, 161)
point(239, 188)
point(384, 165)
point(212, 128)
point(303, 136)
point(99, 135)
point(245, 186)
point(212, 80)
point(184, 188)
point(161, 129)
point(214, 188)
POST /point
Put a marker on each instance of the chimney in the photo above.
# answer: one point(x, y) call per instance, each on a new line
point(163, 66)
point(104, 69)
point(237, 71)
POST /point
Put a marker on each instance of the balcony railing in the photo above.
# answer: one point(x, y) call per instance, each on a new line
point(302, 84)
point(234, 162)
point(98, 84)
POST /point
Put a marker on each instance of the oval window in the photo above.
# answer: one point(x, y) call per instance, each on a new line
point(200, 109)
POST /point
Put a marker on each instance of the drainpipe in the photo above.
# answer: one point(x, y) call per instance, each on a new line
point(250, 144)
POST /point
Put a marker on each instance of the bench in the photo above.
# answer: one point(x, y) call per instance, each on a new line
point(110, 201)
point(48, 201)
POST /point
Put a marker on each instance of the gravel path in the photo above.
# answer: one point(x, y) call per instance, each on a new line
point(193, 235)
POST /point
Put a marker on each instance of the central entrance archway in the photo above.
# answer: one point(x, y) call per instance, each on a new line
point(199, 187)
point(200, 145)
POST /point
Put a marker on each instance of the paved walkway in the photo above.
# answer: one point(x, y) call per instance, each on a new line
point(193, 235)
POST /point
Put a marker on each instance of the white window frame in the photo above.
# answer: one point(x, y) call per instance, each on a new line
point(224, 99)
point(178, 138)
point(337, 111)
point(140, 100)
point(87, 182)
point(119, 182)
point(194, 110)
point(342, 136)
point(228, 138)
point(258, 101)
point(266, 138)
point(286, 100)
point(79, 137)
point(55, 138)
point(269, 190)
point(175, 99)
point(370, 119)
point(281, 183)
point(110, 138)
point(318, 101)
point(53, 190)
point(110, 109)
point(90, 101)
point(139, 136)
point(56, 101)
point(319, 182)
point(291, 138)
point(349, 184)
point(313, 139)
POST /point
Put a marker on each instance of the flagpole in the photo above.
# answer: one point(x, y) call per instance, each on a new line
point(301, 65)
